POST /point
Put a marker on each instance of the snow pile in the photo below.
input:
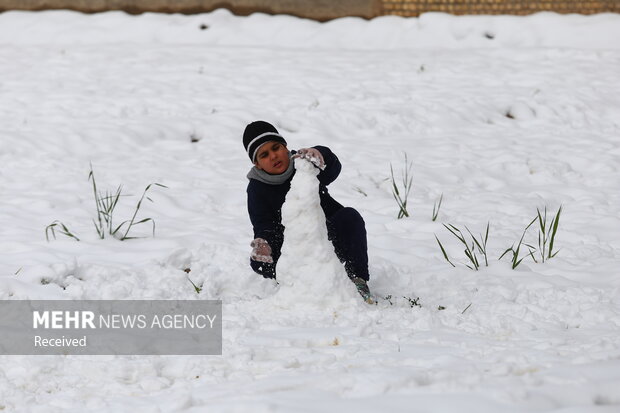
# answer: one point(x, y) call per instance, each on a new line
point(222, 28)
point(308, 270)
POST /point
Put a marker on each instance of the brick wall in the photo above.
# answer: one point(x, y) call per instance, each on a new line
point(519, 7)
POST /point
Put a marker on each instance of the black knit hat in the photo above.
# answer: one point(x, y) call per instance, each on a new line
point(257, 133)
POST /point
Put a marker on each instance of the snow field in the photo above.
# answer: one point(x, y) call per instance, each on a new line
point(130, 94)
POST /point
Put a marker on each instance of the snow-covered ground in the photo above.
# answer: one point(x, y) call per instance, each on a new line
point(501, 115)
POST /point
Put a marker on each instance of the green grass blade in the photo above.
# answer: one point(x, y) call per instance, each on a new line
point(554, 224)
point(100, 232)
point(50, 228)
point(530, 224)
point(118, 228)
point(477, 244)
point(471, 257)
point(394, 186)
point(505, 252)
point(437, 207)
point(466, 308)
point(515, 264)
point(143, 220)
point(444, 252)
point(198, 289)
point(486, 236)
point(456, 232)
point(91, 177)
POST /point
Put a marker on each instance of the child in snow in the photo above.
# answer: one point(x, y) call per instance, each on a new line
point(270, 180)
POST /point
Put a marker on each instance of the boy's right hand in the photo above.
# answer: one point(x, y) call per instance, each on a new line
point(261, 251)
point(312, 155)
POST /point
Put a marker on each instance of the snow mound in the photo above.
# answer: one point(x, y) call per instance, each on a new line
point(222, 28)
point(308, 269)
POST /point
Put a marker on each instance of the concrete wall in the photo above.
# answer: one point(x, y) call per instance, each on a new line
point(313, 9)
point(324, 9)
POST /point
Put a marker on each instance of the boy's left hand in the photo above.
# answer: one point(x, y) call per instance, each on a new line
point(313, 155)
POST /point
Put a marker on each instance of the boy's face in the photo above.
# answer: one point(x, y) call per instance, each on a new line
point(272, 157)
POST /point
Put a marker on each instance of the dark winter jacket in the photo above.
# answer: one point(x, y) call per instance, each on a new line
point(265, 202)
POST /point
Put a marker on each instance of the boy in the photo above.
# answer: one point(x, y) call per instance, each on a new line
point(270, 180)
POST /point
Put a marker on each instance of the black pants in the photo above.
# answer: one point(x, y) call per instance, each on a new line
point(346, 230)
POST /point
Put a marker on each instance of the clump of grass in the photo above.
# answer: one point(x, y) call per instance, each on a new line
point(479, 245)
point(60, 227)
point(436, 208)
point(547, 233)
point(482, 243)
point(516, 259)
point(413, 302)
point(133, 222)
point(407, 179)
point(105, 204)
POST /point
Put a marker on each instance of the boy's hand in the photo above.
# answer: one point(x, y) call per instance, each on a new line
point(261, 251)
point(313, 155)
